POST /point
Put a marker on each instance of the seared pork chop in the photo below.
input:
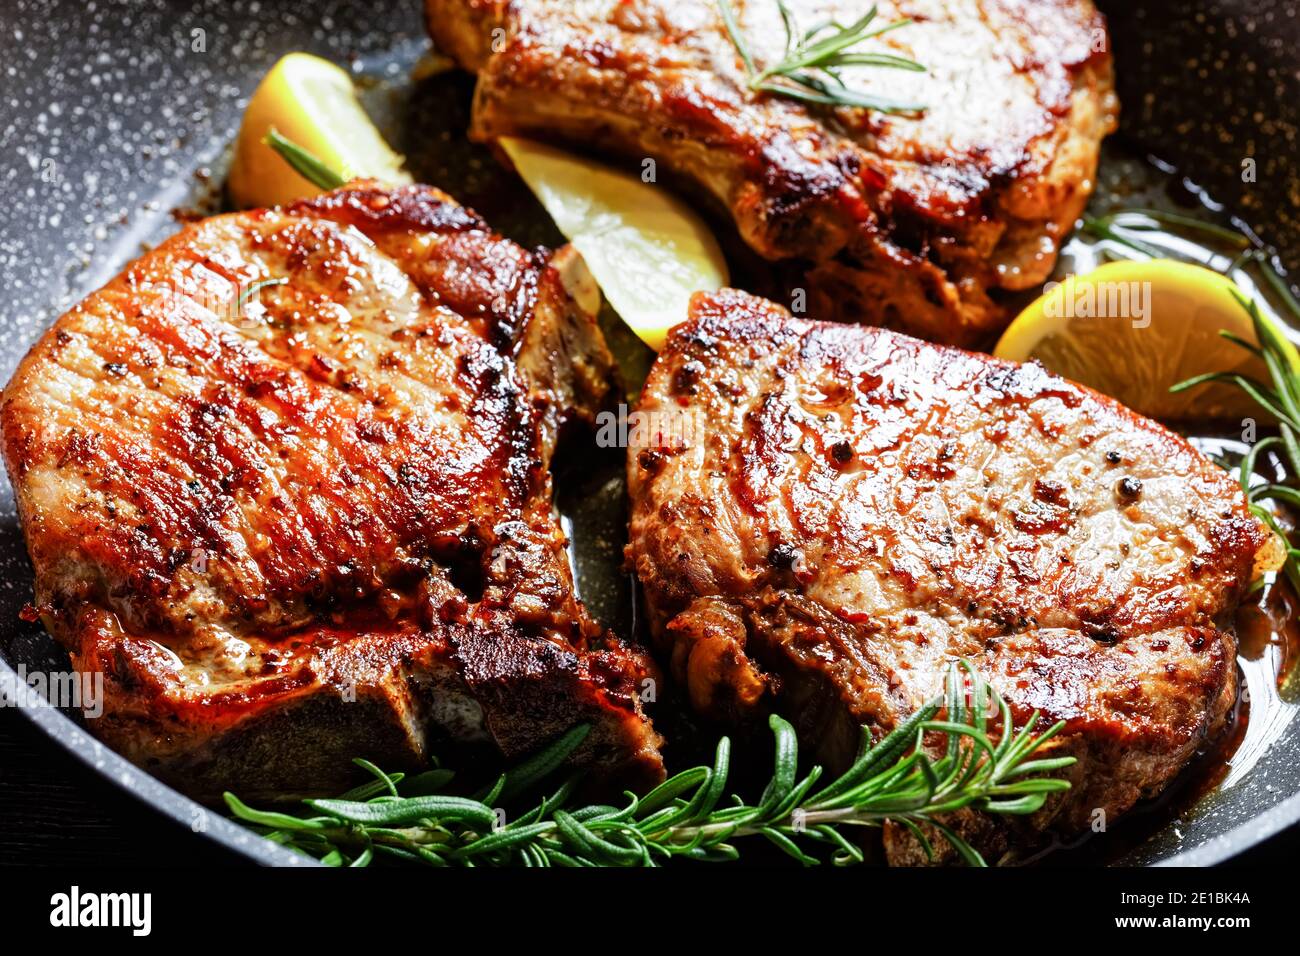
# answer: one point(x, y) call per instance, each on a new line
point(296, 523)
point(836, 513)
point(918, 222)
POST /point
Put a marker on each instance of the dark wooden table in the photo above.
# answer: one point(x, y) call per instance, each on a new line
point(56, 812)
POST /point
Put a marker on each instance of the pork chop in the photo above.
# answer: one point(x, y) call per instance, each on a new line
point(285, 483)
point(919, 222)
point(831, 514)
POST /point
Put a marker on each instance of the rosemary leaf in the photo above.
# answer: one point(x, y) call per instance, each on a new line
point(1280, 398)
point(809, 68)
point(306, 164)
point(926, 768)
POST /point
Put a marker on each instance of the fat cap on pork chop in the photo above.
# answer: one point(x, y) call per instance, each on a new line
point(834, 514)
point(320, 526)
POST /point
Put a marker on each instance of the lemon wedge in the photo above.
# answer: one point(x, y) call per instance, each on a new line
point(646, 249)
point(1132, 329)
point(313, 103)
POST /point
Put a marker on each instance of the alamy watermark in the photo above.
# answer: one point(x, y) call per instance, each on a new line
point(83, 690)
point(672, 430)
point(229, 300)
point(75, 908)
point(1099, 300)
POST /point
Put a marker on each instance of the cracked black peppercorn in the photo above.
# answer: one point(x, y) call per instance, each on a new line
point(783, 556)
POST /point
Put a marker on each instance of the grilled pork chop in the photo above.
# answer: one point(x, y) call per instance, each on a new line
point(918, 222)
point(297, 523)
point(835, 513)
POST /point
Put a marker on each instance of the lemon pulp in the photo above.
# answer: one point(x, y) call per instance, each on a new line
point(1132, 329)
point(646, 249)
point(313, 103)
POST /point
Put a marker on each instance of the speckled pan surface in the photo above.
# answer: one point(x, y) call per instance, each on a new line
point(113, 114)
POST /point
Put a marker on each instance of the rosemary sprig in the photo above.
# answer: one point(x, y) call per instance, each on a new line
point(809, 69)
point(1116, 227)
point(306, 164)
point(1280, 398)
point(1152, 219)
point(929, 766)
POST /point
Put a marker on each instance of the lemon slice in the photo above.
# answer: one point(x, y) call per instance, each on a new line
point(312, 102)
point(1133, 329)
point(647, 250)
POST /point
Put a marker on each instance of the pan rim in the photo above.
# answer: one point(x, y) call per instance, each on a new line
point(141, 785)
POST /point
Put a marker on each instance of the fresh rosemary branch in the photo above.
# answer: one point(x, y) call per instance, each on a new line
point(1282, 401)
point(309, 166)
point(810, 67)
point(1116, 226)
point(929, 766)
point(1281, 398)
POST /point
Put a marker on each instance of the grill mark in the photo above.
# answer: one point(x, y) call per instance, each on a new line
point(1151, 604)
point(375, 456)
point(489, 282)
point(260, 404)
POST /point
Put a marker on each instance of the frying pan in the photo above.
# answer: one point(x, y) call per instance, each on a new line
point(116, 113)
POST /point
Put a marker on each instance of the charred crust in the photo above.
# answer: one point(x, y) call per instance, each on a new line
point(375, 209)
point(303, 514)
point(912, 571)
